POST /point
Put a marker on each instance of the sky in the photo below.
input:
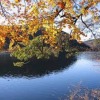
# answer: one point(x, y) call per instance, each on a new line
point(80, 24)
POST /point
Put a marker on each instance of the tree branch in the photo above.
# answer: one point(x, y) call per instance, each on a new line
point(3, 10)
point(87, 27)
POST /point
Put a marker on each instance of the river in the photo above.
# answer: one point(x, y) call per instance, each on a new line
point(53, 81)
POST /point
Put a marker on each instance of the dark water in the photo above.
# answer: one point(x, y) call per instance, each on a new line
point(48, 80)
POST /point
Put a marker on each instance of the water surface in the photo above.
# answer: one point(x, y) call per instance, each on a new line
point(53, 81)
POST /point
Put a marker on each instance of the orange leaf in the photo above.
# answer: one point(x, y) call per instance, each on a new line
point(61, 5)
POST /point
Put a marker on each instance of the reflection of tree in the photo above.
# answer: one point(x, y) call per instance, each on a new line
point(37, 68)
point(82, 93)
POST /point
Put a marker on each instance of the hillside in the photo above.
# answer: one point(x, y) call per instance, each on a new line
point(94, 44)
point(75, 44)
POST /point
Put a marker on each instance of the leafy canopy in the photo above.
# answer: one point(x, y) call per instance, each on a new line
point(23, 18)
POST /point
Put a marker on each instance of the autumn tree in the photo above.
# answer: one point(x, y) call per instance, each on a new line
point(23, 18)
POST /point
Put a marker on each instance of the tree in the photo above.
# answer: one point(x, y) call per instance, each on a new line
point(23, 18)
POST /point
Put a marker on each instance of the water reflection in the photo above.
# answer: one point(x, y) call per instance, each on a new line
point(93, 56)
point(33, 69)
point(56, 78)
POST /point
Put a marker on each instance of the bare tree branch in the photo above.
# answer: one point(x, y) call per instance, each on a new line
point(87, 27)
point(3, 10)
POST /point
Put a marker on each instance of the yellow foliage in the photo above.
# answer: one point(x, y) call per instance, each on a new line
point(17, 1)
point(11, 44)
point(32, 16)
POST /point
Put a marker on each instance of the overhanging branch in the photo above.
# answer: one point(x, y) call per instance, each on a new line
point(3, 10)
point(87, 27)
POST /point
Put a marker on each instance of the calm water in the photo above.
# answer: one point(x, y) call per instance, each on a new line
point(52, 81)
